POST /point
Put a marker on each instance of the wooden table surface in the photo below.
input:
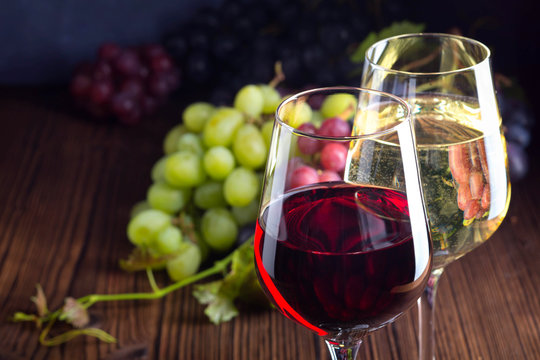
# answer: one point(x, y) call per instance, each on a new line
point(66, 188)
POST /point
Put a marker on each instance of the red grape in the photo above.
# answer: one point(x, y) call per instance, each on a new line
point(125, 82)
point(152, 50)
point(329, 175)
point(108, 51)
point(307, 145)
point(101, 91)
point(102, 71)
point(126, 108)
point(334, 127)
point(158, 85)
point(127, 63)
point(304, 175)
point(161, 63)
point(334, 156)
point(132, 86)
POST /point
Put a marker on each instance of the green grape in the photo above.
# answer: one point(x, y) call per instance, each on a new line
point(246, 214)
point(266, 131)
point(218, 162)
point(190, 142)
point(221, 127)
point(250, 100)
point(209, 195)
point(186, 263)
point(196, 115)
point(139, 208)
point(219, 229)
point(249, 147)
point(271, 97)
point(317, 119)
point(297, 114)
point(167, 241)
point(342, 105)
point(166, 198)
point(144, 227)
point(158, 170)
point(171, 139)
point(241, 187)
point(184, 169)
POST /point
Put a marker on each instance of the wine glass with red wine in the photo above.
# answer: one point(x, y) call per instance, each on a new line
point(342, 243)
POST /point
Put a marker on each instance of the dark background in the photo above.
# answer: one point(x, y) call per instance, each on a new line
point(43, 40)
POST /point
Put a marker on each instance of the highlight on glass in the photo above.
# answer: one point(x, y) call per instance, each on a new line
point(342, 244)
point(447, 81)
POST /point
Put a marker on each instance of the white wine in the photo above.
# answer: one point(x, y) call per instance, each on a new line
point(462, 163)
point(462, 160)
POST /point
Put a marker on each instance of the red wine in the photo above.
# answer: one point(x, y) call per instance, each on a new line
point(337, 257)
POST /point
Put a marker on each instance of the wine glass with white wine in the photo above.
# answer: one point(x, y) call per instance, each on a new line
point(447, 80)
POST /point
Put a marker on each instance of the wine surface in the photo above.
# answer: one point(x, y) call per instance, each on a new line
point(337, 257)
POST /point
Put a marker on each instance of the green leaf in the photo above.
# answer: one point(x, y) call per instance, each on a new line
point(220, 295)
point(221, 310)
point(397, 28)
point(207, 293)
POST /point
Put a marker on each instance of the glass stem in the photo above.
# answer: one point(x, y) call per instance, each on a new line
point(341, 351)
point(426, 317)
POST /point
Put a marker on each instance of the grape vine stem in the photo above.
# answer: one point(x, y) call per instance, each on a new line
point(49, 318)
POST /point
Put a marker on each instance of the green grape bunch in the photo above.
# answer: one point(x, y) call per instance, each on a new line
point(211, 174)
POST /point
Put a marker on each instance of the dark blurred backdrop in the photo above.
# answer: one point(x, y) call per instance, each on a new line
point(42, 40)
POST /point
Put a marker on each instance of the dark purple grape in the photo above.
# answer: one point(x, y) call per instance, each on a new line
point(176, 45)
point(518, 134)
point(198, 67)
point(230, 11)
point(224, 46)
point(128, 63)
point(334, 37)
point(206, 18)
point(198, 38)
point(245, 28)
point(264, 45)
point(313, 57)
point(222, 96)
point(158, 85)
point(132, 86)
point(518, 162)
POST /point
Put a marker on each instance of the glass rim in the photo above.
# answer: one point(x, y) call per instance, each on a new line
point(429, 35)
point(407, 119)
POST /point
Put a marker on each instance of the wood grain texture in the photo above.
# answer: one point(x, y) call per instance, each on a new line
point(66, 188)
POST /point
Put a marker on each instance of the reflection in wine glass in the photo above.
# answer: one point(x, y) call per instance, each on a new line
point(346, 254)
point(461, 149)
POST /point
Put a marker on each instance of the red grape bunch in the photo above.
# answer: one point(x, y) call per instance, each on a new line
point(125, 83)
point(321, 161)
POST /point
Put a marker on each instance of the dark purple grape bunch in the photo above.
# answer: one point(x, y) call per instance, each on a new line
point(518, 122)
point(240, 42)
point(125, 83)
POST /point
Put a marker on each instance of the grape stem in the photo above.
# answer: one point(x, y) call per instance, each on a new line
point(279, 77)
point(87, 301)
